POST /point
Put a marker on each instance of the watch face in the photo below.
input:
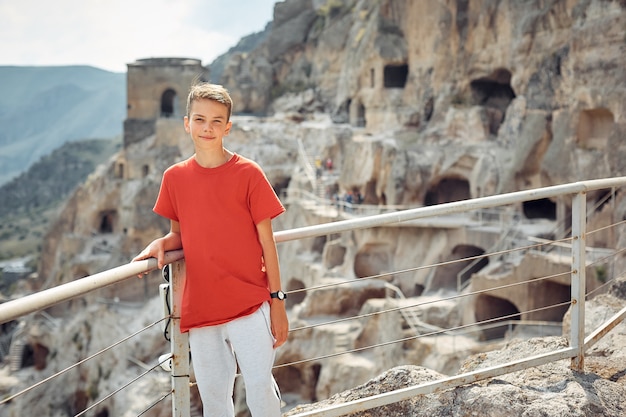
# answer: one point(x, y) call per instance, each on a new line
point(279, 294)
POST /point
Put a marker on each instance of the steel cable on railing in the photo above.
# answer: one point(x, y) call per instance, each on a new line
point(132, 381)
point(151, 406)
point(599, 229)
point(432, 333)
point(497, 319)
point(399, 272)
point(419, 268)
point(605, 258)
point(610, 280)
point(599, 288)
point(61, 372)
point(452, 297)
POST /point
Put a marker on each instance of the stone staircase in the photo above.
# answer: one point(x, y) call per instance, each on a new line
point(413, 316)
point(16, 353)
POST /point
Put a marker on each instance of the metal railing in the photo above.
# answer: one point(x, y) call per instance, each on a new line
point(179, 357)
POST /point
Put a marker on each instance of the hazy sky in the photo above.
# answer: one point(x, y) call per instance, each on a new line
point(109, 34)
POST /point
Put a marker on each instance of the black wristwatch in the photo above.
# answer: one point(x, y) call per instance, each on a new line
point(278, 294)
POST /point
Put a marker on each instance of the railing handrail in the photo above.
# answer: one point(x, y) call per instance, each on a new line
point(446, 208)
point(31, 303)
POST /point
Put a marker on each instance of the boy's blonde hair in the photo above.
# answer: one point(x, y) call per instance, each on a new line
point(210, 91)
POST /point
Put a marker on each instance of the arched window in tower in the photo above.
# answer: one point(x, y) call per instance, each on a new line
point(169, 104)
point(120, 170)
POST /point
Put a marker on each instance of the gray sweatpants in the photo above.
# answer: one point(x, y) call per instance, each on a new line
point(215, 353)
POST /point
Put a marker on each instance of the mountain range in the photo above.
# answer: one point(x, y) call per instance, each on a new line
point(42, 108)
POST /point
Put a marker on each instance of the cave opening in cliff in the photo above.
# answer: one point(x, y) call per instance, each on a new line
point(361, 120)
point(334, 255)
point(103, 413)
point(297, 292)
point(342, 112)
point(372, 259)
point(281, 184)
point(168, 103)
point(28, 356)
point(318, 244)
point(550, 299)
point(447, 190)
point(494, 93)
point(475, 264)
point(301, 381)
point(594, 128)
point(395, 76)
point(449, 275)
point(488, 308)
point(290, 380)
point(542, 208)
point(107, 220)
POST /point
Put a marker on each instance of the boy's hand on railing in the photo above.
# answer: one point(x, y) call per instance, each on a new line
point(156, 249)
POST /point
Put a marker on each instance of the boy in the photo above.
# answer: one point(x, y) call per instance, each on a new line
point(220, 207)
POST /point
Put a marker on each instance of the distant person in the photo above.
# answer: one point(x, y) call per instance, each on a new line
point(221, 207)
point(329, 164)
point(358, 197)
point(318, 167)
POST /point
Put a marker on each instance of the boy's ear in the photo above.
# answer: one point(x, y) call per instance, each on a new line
point(228, 126)
point(186, 123)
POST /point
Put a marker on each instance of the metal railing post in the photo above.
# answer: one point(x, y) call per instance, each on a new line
point(577, 331)
point(179, 345)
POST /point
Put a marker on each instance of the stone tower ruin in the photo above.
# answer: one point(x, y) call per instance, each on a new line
point(156, 89)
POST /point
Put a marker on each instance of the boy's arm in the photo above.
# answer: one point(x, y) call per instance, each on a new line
point(158, 247)
point(278, 311)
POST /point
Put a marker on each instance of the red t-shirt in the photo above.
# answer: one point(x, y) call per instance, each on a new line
point(218, 209)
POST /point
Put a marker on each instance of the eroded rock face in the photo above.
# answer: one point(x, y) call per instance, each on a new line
point(467, 73)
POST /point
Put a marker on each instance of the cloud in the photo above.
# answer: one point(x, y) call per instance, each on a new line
point(109, 34)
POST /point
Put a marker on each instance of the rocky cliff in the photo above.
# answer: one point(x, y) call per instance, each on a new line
point(512, 86)
point(415, 103)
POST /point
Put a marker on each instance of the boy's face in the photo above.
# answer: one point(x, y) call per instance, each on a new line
point(207, 124)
